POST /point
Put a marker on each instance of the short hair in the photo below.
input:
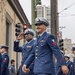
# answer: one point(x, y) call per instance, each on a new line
point(12, 61)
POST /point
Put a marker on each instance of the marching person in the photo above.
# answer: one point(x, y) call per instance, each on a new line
point(5, 60)
point(70, 66)
point(25, 49)
point(73, 51)
point(43, 51)
point(58, 65)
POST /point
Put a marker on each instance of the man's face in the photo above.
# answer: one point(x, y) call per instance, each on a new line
point(40, 28)
point(28, 37)
point(13, 63)
point(2, 50)
point(74, 52)
point(66, 59)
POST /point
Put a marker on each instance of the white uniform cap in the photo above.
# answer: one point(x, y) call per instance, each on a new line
point(41, 21)
point(30, 31)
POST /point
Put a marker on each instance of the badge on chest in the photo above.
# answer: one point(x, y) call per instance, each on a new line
point(28, 46)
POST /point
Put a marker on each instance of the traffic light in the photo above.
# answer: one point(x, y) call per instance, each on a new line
point(61, 44)
point(17, 29)
point(38, 2)
point(25, 26)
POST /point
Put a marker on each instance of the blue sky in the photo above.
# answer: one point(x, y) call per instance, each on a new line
point(66, 17)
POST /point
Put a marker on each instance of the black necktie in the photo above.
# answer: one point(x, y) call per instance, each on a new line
point(38, 38)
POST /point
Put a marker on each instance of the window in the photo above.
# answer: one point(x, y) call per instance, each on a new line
point(7, 33)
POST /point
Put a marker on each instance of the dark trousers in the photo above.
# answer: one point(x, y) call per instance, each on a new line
point(43, 74)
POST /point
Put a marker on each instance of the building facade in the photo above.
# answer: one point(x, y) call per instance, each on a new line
point(68, 48)
point(11, 13)
point(44, 11)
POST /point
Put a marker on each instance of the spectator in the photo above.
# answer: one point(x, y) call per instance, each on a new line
point(12, 67)
point(5, 60)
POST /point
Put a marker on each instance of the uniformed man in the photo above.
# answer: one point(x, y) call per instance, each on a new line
point(73, 50)
point(0, 62)
point(5, 60)
point(25, 49)
point(43, 52)
point(58, 65)
point(70, 66)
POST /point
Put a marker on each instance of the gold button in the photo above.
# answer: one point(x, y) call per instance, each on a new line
point(36, 57)
point(36, 53)
point(36, 46)
point(36, 50)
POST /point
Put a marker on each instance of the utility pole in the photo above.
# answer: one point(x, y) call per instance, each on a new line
point(34, 12)
point(54, 18)
point(33, 7)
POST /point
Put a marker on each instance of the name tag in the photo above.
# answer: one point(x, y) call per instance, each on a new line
point(42, 40)
point(28, 46)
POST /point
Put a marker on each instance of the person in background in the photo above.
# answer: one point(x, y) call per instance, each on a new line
point(12, 67)
point(69, 65)
point(25, 49)
point(5, 60)
point(43, 51)
point(58, 65)
point(73, 51)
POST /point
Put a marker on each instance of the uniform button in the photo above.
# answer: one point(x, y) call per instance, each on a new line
point(36, 53)
point(45, 61)
point(36, 46)
point(35, 57)
point(36, 50)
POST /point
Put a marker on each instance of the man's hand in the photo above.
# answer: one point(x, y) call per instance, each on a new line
point(65, 69)
point(24, 69)
point(20, 36)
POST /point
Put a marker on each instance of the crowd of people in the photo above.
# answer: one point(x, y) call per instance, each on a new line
point(37, 54)
point(4, 62)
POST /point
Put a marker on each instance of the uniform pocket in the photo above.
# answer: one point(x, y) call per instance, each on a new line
point(42, 43)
